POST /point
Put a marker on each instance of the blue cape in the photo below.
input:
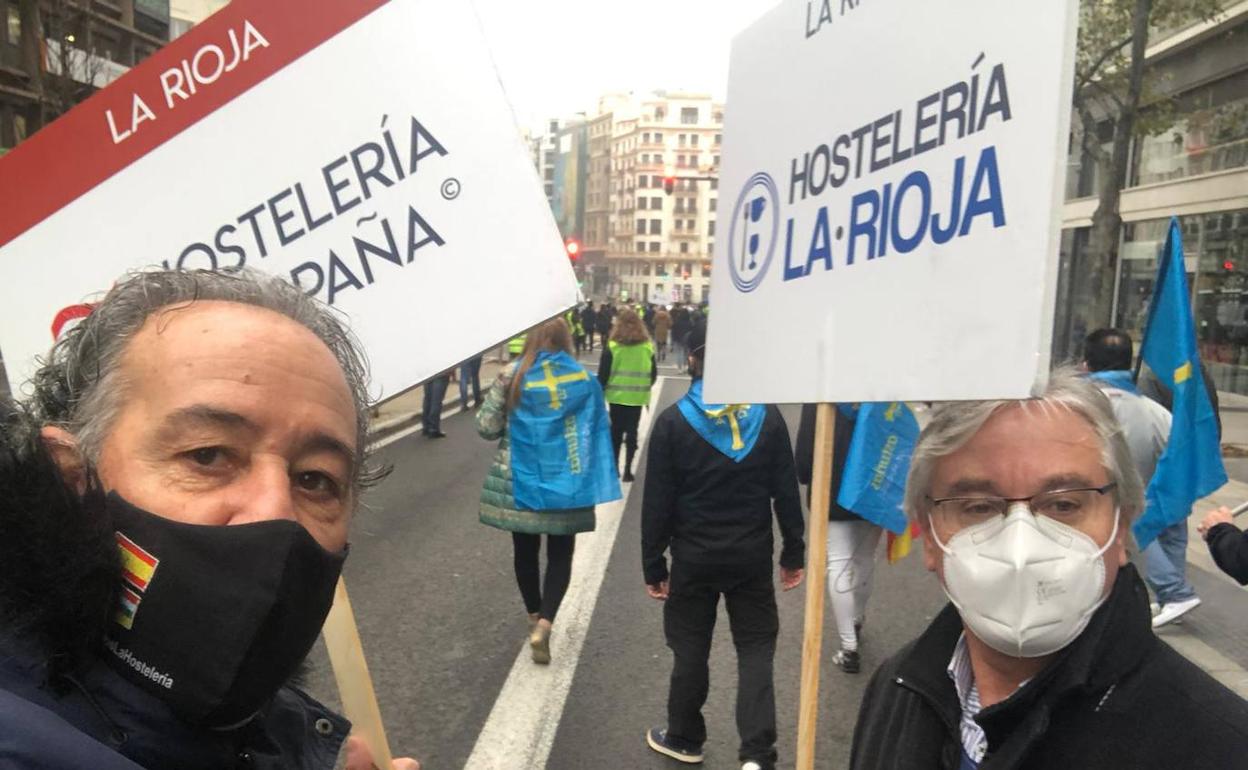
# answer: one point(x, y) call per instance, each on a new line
point(560, 437)
point(733, 429)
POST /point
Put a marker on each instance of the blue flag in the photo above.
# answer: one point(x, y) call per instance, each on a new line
point(1191, 465)
point(873, 482)
point(733, 429)
point(561, 453)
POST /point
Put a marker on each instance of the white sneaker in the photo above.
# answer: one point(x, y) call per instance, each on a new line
point(751, 765)
point(1175, 610)
point(1154, 608)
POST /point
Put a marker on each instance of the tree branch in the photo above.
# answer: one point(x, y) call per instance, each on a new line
point(1086, 77)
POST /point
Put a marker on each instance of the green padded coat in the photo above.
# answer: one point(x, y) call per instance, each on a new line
point(498, 503)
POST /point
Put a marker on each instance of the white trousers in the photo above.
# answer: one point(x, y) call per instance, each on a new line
point(852, 547)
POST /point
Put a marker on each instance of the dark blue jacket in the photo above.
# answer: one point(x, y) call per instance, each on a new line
point(100, 721)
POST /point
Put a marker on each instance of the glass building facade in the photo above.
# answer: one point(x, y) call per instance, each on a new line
point(1197, 169)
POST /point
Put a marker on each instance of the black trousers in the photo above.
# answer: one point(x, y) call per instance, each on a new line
point(546, 599)
point(689, 622)
point(624, 422)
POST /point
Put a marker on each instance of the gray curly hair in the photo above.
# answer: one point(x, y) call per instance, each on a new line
point(80, 385)
point(954, 423)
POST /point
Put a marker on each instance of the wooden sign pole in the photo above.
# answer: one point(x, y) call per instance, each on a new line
point(355, 686)
point(816, 577)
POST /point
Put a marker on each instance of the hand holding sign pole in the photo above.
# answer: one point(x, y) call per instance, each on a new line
point(894, 238)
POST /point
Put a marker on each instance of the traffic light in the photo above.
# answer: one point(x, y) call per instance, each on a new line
point(669, 184)
point(1228, 265)
point(574, 249)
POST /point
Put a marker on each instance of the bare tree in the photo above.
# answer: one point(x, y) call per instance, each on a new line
point(56, 53)
point(1111, 87)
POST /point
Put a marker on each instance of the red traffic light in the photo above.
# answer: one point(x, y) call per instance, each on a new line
point(1228, 265)
point(669, 184)
point(574, 248)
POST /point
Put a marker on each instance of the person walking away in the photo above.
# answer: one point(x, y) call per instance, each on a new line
point(431, 414)
point(573, 320)
point(1146, 425)
point(1228, 544)
point(589, 321)
point(714, 476)
point(680, 330)
point(627, 371)
point(853, 542)
point(470, 377)
point(531, 488)
point(515, 346)
point(662, 328)
point(606, 317)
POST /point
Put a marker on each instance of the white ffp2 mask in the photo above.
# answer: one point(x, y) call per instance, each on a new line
point(1025, 585)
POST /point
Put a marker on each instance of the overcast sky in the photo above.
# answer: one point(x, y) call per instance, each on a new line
point(556, 56)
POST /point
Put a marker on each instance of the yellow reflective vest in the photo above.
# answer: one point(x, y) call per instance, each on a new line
point(629, 380)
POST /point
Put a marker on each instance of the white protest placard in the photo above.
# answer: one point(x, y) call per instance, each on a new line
point(892, 173)
point(362, 149)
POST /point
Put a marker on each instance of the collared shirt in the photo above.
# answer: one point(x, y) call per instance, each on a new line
point(974, 741)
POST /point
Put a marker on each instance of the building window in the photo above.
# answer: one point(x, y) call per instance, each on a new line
point(641, 181)
point(15, 26)
point(718, 117)
point(654, 247)
point(641, 227)
point(656, 226)
point(691, 224)
point(715, 160)
point(645, 266)
point(689, 116)
point(645, 138)
point(684, 247)
point(655, 182)
point(710, 228)
point(19, 128)
point(714, 204)
point(719, 138)
point(640, 247)
point(681, 139)
point(658, 137)
point(706, 293)
point(641, 203)
point(656, 203)
point(680, 225)
point(693, 140)
point(714, 184)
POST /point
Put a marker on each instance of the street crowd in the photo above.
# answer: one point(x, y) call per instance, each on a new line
point(177, 491)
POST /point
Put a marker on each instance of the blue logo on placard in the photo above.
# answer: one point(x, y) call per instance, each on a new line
point(753, 233)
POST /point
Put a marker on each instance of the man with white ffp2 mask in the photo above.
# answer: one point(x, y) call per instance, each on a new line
point(1045, 656)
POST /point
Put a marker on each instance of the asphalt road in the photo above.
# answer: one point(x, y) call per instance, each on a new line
point(443, 626)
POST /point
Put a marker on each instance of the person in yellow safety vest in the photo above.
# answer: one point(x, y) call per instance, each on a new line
point(627, 371)
point(573, 318)
point(515, 346)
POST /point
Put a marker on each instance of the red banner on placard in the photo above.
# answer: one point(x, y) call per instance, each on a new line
point(234, 49)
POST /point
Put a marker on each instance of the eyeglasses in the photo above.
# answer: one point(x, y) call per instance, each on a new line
point(1068, 506)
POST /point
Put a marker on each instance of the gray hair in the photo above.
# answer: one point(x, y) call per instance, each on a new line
point(80, 385)
point(955, 422)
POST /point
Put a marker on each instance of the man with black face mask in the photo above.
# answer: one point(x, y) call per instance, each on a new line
point(1045, 656)
point(175, 502)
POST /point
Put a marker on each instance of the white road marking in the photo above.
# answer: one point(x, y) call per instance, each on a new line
point(521, 727)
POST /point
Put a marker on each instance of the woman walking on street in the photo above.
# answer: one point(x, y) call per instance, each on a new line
point(853, 542)
point(552, 466)
point(627, 371)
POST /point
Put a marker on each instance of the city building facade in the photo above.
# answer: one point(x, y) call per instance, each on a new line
point(1196, 170)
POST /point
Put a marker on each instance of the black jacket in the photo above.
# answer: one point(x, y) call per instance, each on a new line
point(805, 452)
point(1229, 547)
point(1117, 697)
point(713, 511)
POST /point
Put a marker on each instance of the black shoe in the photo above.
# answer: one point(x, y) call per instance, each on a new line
point(436, 434)
point(847, 661)
point(656, 739)
point(628, 476)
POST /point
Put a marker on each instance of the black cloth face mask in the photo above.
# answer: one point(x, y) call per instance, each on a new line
point(214, 619)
